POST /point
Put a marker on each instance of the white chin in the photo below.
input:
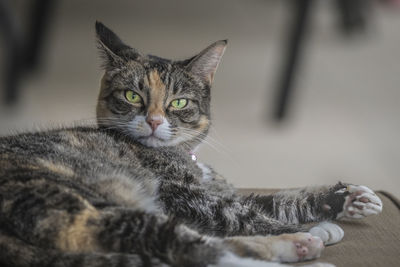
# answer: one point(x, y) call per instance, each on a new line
point(152, 141)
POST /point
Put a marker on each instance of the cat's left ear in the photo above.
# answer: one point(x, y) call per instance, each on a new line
point(205, 64)
point(113, 50)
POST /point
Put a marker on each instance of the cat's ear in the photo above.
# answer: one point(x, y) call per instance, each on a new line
point(205, 64)
point(114, 52)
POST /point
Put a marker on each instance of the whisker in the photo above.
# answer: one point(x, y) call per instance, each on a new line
point(218, 146)
point(205, 136)
point(196, 138)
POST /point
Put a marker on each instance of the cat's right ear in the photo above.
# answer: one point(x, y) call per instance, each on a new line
point(113, 51)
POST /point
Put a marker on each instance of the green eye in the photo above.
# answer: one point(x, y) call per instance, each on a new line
point(132, 97)
point(179, 103)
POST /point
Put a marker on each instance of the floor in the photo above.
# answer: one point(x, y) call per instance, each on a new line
point(344, 123)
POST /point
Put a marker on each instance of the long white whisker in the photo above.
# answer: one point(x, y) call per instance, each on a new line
point(206, 138)
point(193, 137)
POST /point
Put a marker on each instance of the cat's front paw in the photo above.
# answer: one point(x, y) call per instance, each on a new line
point(359, 202)
point(283, 248)
point(329, 233)
point(298, 247)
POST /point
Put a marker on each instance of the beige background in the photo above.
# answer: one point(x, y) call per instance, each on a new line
point(345, 118)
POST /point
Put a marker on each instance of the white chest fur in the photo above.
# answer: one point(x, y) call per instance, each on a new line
point(207, 174)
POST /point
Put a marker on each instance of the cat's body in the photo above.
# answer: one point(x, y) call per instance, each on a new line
point(130, 193)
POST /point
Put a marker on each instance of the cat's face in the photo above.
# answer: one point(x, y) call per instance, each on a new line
point(155, 101)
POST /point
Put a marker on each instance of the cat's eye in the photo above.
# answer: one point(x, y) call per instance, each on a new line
point(132, 97)
point(179, 103)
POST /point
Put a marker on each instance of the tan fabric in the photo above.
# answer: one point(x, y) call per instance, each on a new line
point(373, 241)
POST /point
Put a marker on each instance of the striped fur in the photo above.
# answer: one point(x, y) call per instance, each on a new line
point(126, 193)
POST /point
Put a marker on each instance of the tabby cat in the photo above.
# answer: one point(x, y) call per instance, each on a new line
point(129, 191)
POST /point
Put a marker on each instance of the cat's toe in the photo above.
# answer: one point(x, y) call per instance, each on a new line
point(302, 250)
point(360, 202)
point(299, 247)
point(329, 233)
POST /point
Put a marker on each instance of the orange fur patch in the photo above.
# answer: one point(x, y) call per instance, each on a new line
point(203, 124)
point(79, 236)
point(56, 167)
point(157, 94)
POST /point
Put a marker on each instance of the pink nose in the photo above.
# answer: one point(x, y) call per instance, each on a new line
point(154, 122)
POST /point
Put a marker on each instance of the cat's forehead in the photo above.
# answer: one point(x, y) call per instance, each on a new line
point(140, 70)
point(155, 71)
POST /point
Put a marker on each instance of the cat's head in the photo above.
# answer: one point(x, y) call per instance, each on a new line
point(155, 101)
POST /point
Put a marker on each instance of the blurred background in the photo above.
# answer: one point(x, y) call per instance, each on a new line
point(308, 92)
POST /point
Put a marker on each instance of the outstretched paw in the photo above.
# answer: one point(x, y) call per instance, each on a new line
point(329, 233)
point(359, 203)
point(282, 248)
point(299, 247)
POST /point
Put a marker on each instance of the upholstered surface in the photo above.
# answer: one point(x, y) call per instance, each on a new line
point(373, 241)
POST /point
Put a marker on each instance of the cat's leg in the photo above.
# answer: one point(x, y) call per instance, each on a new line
point(283, 212)
point(315, 204)
point(170, 238)
point(281, 248)
point(226, 215)
point(17, 253)
point(57, 220)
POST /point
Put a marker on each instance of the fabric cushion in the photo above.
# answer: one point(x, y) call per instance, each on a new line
point(373, 241)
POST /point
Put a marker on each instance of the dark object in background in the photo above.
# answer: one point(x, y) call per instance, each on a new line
point(291, 56)
point(353, 15)
point(22, 50)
